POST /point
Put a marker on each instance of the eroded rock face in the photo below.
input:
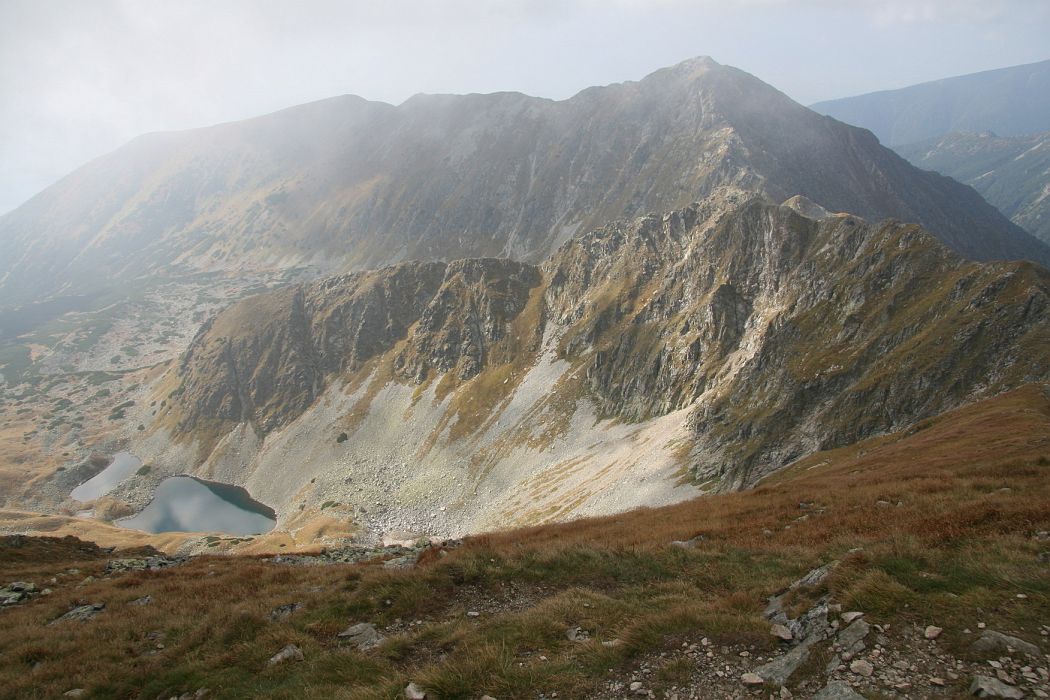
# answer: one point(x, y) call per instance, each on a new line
point(469, 313)
point(263, 361)
point(782, 334)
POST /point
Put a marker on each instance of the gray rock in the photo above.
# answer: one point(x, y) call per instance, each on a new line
point(781, 632)
point(81, 613)
point(811, 625)
point(816, 576)
point(283, 612)
point(991, 642)
point(11, 597)
point(985, 687)
point(932, 632)
point(854, 635)
point(779, 670)
point(862, 668)
point(17, 592)
point(21, 586)
point(289, 653)
point(837, 690)
point(144, 600)
point(75, 693)
point(752, 679)
point(363, 634)
point(414, 692)
point(146, 563)
point(405, 562)
point(688, 544)
point(577, 634)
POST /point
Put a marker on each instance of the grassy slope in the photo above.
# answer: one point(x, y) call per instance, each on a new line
point(957, 549)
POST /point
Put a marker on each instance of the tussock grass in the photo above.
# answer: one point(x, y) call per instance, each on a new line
point(956, 550)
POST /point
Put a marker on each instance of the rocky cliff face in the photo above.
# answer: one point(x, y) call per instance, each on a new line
point(761, 333)
point(346, 183)
point(263, 361)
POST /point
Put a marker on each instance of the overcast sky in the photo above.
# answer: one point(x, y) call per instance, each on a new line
point(79, 78)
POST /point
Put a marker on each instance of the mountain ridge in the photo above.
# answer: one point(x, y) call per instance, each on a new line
point(447, 177)
point(1010, 101)
point(685, 341)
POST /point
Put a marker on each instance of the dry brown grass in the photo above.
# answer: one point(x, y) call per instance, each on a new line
point(958, 545)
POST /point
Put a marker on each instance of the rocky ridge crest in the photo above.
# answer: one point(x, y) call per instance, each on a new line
point(350, 184)
point(781, 334)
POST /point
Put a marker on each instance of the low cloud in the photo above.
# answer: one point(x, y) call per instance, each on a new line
point(78, 79)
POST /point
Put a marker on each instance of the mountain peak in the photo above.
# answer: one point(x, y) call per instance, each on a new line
point(697, 64)
point(807, 208)
point(352, 184)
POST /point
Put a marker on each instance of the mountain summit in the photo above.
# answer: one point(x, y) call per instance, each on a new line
point(346, 183)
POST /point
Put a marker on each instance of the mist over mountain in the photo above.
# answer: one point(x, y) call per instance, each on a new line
point(349, 184)
point(1012, 101)
point(671, 389)
point(489, 387)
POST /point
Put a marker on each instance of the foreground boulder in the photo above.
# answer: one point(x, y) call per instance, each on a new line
point(985, 687)
point(363, 634)
point(289, 653)
point(992, 642)
point(17, 592)
point(837, 690)
point(81, 613)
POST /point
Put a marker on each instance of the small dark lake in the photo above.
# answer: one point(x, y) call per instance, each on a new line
point(188, 504)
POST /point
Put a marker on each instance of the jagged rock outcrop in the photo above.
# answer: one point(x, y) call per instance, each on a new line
point(468, 314)
point(263, 361)
point(781, 334)
point(348, 184)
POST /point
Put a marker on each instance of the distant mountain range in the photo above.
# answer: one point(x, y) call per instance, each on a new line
point(1011, 101)
point(1011, 172)
point(346, 184)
